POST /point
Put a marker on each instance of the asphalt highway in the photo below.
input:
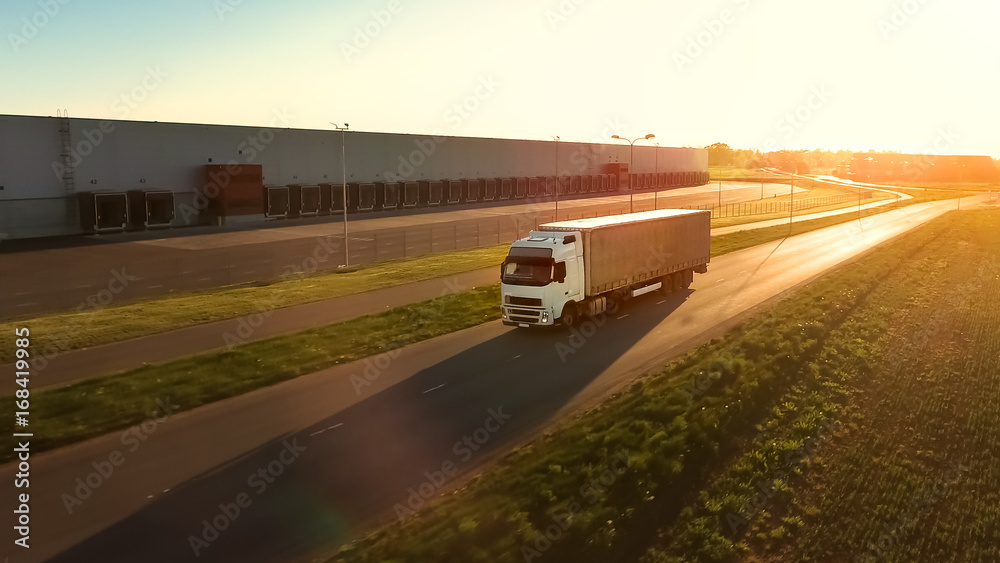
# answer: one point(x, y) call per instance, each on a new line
point(309, 461)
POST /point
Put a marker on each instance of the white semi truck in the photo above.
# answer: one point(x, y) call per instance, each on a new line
point(570, 269)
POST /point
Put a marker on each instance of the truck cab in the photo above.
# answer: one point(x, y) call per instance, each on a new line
point(540, 276)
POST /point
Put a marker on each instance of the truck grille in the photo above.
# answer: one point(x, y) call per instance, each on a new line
point(524, 312)
point(524, 315)
point(526, 301)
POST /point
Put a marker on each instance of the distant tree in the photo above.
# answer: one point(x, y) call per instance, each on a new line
point(720, 154)
point(746, 158)
point(789, 161)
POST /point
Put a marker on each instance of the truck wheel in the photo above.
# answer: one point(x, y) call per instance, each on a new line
point(570, 315)
point(611, 305)
point(688, 277)
point(677, 281)
point(664, 285)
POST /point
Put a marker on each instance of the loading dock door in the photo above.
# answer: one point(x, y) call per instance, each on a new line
point(506, 188)
point(411, 194)
point(366, 197)
point(309, 201)
point(276, 198)
point(103, 212)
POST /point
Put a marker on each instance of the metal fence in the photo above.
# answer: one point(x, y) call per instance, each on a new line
point(771, 207)
point(405, 242)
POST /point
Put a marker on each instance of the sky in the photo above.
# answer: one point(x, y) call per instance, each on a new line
point(906, 75)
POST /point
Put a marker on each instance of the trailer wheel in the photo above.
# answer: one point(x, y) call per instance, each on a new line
point(569, 316)
point(688, 277)
point(612, 305)
point(664, 285)
point(677, 279)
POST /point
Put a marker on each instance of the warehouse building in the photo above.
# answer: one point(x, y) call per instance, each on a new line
point(64, 176)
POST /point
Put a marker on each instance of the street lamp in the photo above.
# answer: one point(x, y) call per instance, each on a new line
point(343, 157)
point(631, 147)
point(791, 211)
point(656, 176)
point(556, 138)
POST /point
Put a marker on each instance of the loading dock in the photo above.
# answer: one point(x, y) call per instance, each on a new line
point(521, 187)
point(276, 202)
point(472, 191)
point(411, 194)
point(150, 209)
point(103, 212)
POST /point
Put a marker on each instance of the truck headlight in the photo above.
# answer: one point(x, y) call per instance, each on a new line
point(545, 316)
point(503, 312)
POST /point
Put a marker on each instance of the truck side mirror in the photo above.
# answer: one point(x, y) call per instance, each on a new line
point(502, 267)
point(559, 272)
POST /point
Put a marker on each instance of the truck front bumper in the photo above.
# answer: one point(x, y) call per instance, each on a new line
point(526, 316)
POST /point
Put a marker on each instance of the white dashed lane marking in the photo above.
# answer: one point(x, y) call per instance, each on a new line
point(338, 425)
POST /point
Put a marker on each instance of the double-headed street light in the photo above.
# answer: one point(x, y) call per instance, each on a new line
point(631, 146)
point(343, 161)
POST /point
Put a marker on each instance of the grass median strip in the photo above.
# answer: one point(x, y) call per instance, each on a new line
point(849, 203)
point(73, 330)
point(91, 408)
point(724, 244)
point(763, 396)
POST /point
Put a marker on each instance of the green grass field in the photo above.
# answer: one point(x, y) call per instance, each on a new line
point(724, 172)
point(802, 435)
point(913, 377)
point(915, 474)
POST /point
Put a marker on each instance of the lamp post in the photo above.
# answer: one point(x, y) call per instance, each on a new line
point(656, 176)
point(631, 147)
point(556, 138)
point(791, 206)
point(343, 160)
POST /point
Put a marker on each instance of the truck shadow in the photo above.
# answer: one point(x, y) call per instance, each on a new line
point(381, 458)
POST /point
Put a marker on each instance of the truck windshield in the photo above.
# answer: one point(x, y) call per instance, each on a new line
point(528, 266)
